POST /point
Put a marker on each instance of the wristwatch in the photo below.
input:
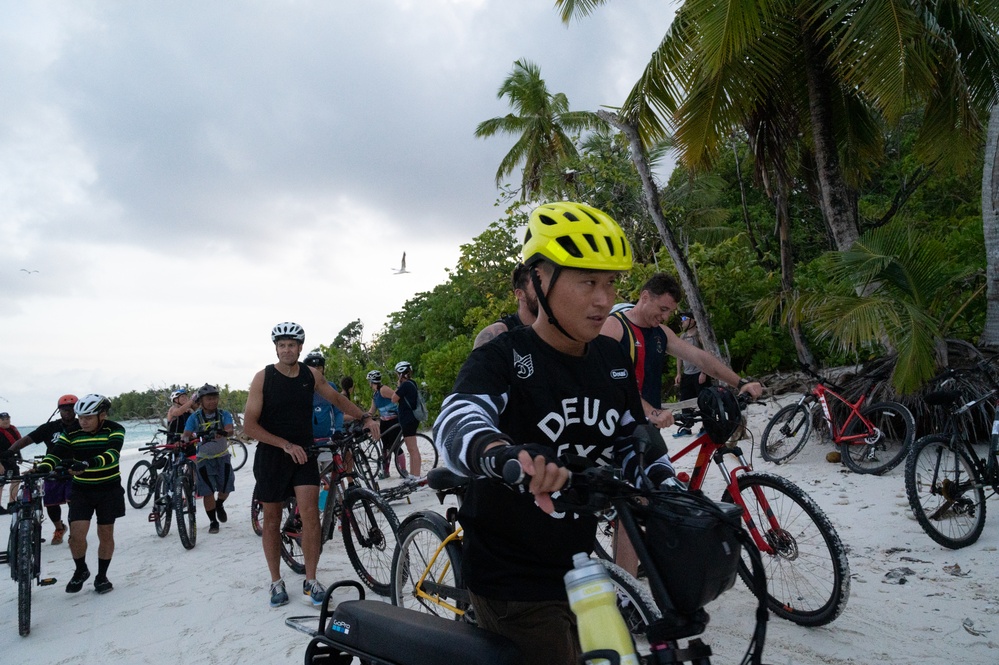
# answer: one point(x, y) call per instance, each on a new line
point(743, 382)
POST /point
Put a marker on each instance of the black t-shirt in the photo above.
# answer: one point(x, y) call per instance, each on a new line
point(407, 402)
point(49, 433)
point(519, 386)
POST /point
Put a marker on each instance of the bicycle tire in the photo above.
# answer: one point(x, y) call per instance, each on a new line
point(367, 466)
point(897, 430)
point(162, 506)
point(945, 491)
point(786, 433)
point(256, 514)
point(186, 507)
point(634, 601)
point(428, 455)
point(370, 532)
point(420, 537)
point(237, 454)
point(291, 537)
point(140, 484)
point(26, 553)
point(808, 574)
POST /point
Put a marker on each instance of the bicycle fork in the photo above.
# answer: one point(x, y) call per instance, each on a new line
point(777, 539)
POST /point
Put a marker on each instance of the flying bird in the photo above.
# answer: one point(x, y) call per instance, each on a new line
point(402, 266)
point(34, 271)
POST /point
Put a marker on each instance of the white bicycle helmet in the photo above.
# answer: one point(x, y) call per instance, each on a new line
point(92, 404)
point(177, 393)
point(374, 376)
point(288, 330)
point(403, 367)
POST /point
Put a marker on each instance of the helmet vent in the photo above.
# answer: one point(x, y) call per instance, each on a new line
point(569, 246)
point(610, 245)
point(592, 241)
point(571, 217)
point(548, 221)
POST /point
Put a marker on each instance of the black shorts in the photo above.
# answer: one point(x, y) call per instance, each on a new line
point(410, 428)
point(277, 475)
point(107, 502)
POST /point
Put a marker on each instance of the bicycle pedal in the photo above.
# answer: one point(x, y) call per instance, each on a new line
point(153, 516)
point(3, 557)
point(47, 581)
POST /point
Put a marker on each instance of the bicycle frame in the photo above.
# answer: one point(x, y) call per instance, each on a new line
point(711, 451)
point(836, 430)
point(419, 586)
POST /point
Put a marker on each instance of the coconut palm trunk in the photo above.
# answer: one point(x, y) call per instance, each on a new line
point(990, 228)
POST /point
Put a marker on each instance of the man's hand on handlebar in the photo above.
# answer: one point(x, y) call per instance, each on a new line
point(754, 389)
point(545, 475)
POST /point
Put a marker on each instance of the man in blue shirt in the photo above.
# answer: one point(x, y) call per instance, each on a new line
point(215, 476)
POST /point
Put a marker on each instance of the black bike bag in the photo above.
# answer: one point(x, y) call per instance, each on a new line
point(389, 634)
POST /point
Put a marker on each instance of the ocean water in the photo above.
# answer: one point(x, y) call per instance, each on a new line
point(138, 433)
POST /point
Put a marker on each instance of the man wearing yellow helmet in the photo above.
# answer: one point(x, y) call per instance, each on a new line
point(536, 394)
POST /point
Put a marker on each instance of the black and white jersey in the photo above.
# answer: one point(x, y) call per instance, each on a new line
point(519, 389)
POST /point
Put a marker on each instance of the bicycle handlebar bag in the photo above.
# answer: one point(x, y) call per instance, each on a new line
point(694, 544)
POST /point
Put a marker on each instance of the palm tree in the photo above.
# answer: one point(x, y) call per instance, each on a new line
point(893, 290)
point(541, 120)
point(990, 226)
point(840, 68)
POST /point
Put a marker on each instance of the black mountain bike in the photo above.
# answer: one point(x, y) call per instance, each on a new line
point(173, 494)
point(24, 546)
point(946, 479)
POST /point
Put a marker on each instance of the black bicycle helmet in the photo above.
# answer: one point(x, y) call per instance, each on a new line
point(315, 359)
point(720, 413)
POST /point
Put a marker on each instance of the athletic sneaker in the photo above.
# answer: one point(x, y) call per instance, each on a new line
point(683, 431)
point(60, 531)
point(279, 596)
point(79, 577)
point(220, 513)
point(213, 527)
point(102, 584)
point(315, 590)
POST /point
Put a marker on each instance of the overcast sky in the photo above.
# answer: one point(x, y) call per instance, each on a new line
point(184, 175)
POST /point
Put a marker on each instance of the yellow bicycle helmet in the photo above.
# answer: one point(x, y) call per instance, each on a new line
point(575, 235)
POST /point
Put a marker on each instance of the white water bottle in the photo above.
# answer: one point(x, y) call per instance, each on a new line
point(594, 601)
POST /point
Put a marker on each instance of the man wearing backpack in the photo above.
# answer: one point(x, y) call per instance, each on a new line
point(215, 476)
point(407, 396)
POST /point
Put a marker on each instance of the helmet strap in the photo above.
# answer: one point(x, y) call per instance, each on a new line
point(543, 298)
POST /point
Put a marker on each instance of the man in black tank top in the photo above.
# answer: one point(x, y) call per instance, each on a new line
point(527, 308)
point(279, 416)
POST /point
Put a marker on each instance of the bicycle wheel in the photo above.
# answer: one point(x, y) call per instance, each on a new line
point(25, 574)
point(882, 450)
point(140, 484)
point(162, 506)
point(256, 514)
point(366, 454)
point(186, 507)
point(428, 455)
point(426, 577)
point(237, 454)
point(370, 528)
point(808, 574)
point(945, 491)
point(786, 433)
point(291, 537)
point(633, 600)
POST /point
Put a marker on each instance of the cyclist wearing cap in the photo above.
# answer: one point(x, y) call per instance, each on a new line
point(689, 377)
point(326, 418)
point(536, 394)
point(57, 492)
point(181, 407)
point(9, 435)
point(384, 404)
point(406, 397)
point(279, 416)
point(91, 454)
point(527, 308)
point(216, 478)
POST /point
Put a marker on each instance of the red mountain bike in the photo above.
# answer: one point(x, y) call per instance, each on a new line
point(873, 438)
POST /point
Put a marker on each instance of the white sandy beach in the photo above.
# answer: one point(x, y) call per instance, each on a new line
point(210, 604)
